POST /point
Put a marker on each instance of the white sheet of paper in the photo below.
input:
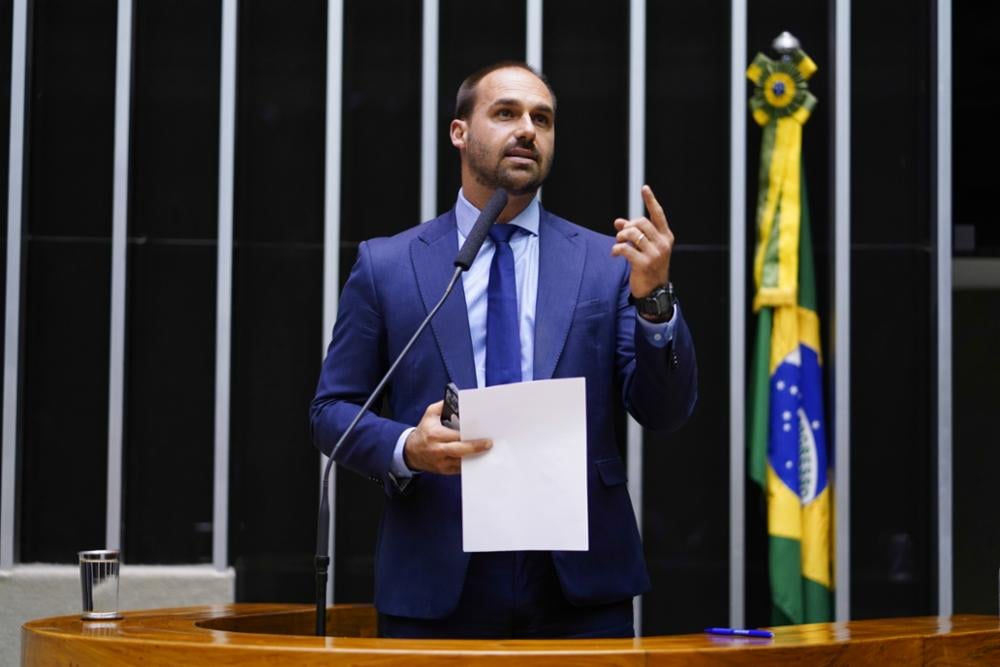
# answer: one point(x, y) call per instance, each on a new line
point(529, 492)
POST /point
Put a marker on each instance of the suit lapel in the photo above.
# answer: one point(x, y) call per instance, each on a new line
point(433, 255)
point(561, 257)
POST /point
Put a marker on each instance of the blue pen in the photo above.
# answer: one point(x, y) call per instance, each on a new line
point(740, 632)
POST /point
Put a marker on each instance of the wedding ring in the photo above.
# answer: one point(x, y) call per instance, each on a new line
point(638, 241)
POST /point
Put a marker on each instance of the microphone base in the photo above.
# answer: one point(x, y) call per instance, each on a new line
point(322, 566)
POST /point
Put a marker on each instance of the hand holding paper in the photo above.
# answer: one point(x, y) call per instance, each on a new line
point(433, 447)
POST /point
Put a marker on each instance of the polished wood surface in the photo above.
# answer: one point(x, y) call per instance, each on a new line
point(279, 634)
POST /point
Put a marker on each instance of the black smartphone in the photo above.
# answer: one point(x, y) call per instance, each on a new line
point(449, 414)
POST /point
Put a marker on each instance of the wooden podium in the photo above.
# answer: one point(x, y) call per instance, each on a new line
point(280, 634)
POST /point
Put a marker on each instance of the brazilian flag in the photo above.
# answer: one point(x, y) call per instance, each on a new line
point(788, 450)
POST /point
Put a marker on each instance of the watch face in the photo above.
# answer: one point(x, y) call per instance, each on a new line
point(657, 304)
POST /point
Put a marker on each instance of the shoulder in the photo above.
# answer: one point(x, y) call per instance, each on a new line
point(578, 233)
point(596, 246)
point(577, 243)
point(390, 249)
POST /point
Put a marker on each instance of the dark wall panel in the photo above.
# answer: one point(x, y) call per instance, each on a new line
point(892, 484)
point(685, 522)
point(380, 160)
point(472, 35)
point(976, 458)
point(170, 367)
point(281, 122)
point(65, 400)
point(71, 131)
point(891, 111)
point(175, 120)
point(585, 55)
point(893, 528)
point(67, 269)
point(169, 453)
point(277, 296)
point(687, 118)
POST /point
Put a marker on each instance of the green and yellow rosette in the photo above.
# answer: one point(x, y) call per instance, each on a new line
point(781, 104)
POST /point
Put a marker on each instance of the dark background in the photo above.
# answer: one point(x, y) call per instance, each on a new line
point(277, 280)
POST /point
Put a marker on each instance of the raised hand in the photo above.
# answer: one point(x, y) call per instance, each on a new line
point(647, 244)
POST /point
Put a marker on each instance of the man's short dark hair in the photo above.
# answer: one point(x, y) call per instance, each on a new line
point(465, 100)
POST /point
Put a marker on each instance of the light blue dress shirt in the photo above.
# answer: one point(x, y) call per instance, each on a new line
point(475, 282)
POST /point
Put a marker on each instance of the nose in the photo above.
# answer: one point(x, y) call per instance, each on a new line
point(525, 127)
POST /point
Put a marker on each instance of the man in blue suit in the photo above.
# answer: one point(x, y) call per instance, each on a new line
point(544, 299)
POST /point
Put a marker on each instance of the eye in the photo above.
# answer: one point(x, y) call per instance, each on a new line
point(542, 120)
point(505, 113)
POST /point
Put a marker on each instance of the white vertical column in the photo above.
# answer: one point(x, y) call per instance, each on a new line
point(842, 308)
point(533, 41)
point(224, 284)
point(737, 311)
point(428, 113)
point(944, 372)
point(12, 307)
point(636, 179)
point(331, 217)
point(119, 253)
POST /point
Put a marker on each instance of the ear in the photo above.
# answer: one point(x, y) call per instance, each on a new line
point(458, 130)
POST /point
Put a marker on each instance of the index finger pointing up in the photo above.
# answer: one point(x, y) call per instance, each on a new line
point(656, 214)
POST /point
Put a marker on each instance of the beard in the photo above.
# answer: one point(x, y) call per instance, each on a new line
point(493, 171)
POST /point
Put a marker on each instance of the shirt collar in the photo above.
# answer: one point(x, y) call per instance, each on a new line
point(466, 215)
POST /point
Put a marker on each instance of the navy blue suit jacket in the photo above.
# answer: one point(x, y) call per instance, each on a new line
point(584, 326)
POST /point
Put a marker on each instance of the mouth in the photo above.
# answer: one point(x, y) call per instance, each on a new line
point(522, 154)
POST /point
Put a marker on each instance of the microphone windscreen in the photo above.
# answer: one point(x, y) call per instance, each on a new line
point(474, 241)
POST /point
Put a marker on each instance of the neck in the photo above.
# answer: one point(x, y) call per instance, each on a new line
point(478, 195)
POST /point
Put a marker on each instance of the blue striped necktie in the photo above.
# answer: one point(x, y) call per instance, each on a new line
point(503, 332)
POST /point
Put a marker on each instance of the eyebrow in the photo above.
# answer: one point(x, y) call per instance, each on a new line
point(511, 101)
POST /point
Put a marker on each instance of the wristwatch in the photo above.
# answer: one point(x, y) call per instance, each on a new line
point(658, 306)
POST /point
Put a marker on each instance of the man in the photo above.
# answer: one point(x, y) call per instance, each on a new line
point(544, 298)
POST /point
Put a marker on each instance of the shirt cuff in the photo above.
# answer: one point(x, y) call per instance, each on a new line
point(659, 334)
point(399, 469)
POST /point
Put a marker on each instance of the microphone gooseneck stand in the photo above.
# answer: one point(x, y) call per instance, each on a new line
point(464, 260)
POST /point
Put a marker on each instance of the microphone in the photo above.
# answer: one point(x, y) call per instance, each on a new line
point(474, 241)
point(468, 252)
